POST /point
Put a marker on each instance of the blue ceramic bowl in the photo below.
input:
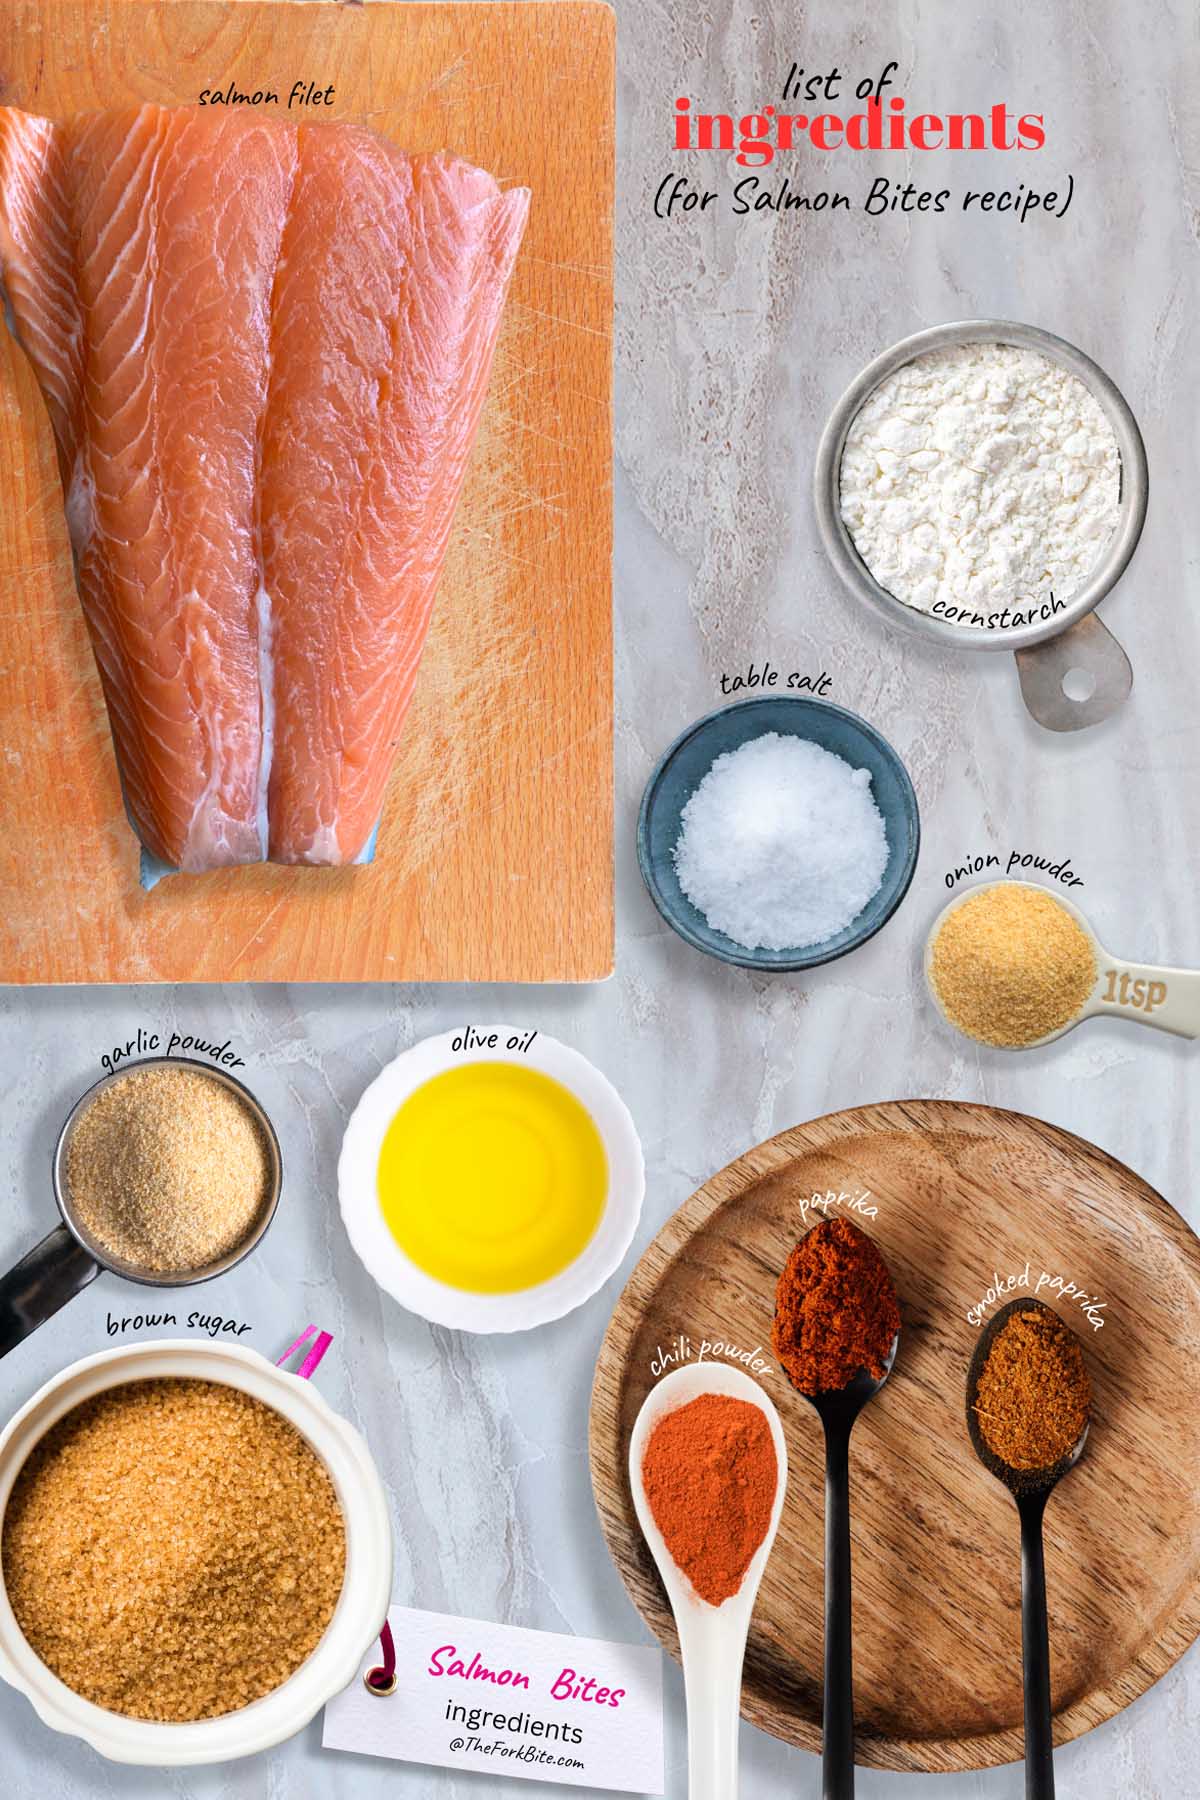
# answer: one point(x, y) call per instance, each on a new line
point(689, 759)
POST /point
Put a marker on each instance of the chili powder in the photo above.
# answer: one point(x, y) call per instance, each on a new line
point(710, 1473)
point(836, 1311)
point(1033, 1397)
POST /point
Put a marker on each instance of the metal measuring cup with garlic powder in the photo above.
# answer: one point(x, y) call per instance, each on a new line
point(1014, 966)
point(166, 1173)
point(168, 1170)
point(984, 483)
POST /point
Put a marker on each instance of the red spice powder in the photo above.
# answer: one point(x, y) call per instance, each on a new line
point(710, 1474)
point(835, 1309)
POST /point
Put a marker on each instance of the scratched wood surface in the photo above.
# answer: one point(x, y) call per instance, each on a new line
point(962, 1192)
point(495, 856)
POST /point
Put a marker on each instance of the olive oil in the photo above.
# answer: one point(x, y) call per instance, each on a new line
point(492, 1177)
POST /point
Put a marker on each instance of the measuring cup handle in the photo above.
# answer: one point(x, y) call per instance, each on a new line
point(1168, 999)
point(52, 1273)
point(1088, 646)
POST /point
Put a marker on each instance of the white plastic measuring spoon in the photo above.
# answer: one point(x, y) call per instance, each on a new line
point(1168, 999)
point(712, 1639)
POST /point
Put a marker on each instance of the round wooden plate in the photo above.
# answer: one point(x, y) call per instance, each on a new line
point(963, 1194)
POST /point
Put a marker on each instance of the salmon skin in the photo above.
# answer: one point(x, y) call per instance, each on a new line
point(264, 350)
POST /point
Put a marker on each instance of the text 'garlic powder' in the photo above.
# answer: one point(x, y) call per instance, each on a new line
point(980, 478)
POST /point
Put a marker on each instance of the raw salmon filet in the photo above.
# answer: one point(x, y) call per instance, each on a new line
point(264, 350)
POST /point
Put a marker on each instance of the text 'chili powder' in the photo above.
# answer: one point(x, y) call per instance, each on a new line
point(710, 1473)
point(836, 1311)
point(1034, 1396)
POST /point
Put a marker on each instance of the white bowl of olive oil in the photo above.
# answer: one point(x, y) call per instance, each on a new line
point(491, 1179)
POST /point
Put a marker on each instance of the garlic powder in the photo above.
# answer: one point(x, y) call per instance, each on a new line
point(981, 478)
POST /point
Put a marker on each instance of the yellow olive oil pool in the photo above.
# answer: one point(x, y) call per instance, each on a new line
point(492, 1177)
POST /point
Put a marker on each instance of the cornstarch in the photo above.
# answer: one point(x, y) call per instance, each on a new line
point(978, 478)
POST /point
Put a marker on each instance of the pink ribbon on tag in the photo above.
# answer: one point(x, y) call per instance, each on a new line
point(320, 1346)
point(381, 1679)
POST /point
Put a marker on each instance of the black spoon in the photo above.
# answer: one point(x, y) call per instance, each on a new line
point(1031, 1489)
point(837, 1410)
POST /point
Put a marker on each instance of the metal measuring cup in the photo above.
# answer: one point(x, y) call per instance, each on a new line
point(1048, 650)
point(65, 1261)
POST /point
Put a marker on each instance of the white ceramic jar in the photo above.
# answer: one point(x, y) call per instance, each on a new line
point(358, 1616)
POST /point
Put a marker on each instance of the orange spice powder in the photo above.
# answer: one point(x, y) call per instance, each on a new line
point(710, 1473)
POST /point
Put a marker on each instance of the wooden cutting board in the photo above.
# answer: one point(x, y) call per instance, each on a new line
point(963, 1194)
point(495, 856)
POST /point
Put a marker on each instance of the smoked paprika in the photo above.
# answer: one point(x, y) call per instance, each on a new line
point(1033, 1397)
point(835, 1309)
point(710, 1473)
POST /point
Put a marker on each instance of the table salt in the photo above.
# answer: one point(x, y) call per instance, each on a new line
point(782, 844)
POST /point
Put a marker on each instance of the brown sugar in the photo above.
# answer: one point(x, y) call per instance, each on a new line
point(168, 1169)
point(836, 1310)
point(1034, 1396)
point(173, 1549)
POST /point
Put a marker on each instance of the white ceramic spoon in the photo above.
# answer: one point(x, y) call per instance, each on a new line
point(712, 1639)
point(1168, 999)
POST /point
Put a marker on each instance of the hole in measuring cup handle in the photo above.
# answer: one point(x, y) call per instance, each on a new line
point(1079, 685)
point(1084, 656)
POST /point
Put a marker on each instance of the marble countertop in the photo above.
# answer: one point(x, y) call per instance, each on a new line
point(733, 338)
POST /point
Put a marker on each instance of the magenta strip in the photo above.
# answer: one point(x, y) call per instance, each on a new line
point(323, 1339)
point(383, 1675)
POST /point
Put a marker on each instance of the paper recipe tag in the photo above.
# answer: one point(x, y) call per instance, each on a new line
point(530, 1704)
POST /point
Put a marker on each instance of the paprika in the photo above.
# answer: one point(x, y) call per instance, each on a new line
point(836, 1311)
point(710, 1472)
